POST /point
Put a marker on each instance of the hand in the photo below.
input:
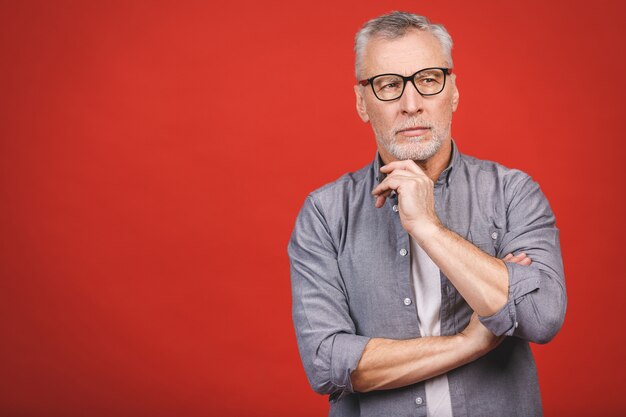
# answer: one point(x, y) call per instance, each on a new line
point(479, 339)
point(416, 202)
point(521, 259)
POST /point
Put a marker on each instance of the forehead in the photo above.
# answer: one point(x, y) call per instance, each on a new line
point(413, 51)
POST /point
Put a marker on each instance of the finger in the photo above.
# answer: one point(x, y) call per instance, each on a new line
point(393, 182)
point(514, 260)
point(402, 173)
point(519, 257)
point(384, 193)
point(381, 198)
point(380, 201)
point(406, 164)
point(389, 184)
point(507, 257)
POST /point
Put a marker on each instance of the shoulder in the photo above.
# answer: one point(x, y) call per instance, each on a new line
point(325, 210)
point(335, 195)
point(511, 190)
point(511, 181)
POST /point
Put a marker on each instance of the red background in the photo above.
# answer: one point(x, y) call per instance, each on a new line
point(154, 156)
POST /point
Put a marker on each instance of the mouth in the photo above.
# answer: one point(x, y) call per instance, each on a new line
point(414, 131)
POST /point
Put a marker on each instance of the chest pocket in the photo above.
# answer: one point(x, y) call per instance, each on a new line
point(486, 237)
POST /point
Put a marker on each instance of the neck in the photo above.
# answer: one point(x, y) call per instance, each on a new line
point(433, 166)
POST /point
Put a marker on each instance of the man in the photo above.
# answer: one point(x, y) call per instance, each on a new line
point(419, 281)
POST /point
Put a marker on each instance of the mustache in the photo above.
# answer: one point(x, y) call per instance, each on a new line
point(411, 124)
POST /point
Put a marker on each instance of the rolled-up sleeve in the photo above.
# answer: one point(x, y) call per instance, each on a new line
point(329, 347)
point(535, 309)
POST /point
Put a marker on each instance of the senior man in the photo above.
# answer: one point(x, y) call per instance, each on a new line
point(419, 281)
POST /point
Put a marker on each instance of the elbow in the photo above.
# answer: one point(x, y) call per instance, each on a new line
point(542, 337)
point(548, 328)
point(321, 387)
point(332, 363)
point(541, 312)
point(326, 387)
point(322, 384)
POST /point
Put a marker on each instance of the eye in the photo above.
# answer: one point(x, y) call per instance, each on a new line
point(428, 81)
point(429, 78)
point(390, 85)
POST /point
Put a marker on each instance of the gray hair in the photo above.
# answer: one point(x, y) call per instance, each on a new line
point(395, 25)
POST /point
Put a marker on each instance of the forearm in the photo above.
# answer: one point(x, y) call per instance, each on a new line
point(481, 279)
point(387, 363)
point(537, 304)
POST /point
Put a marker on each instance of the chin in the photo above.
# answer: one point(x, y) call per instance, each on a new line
point(421, 149)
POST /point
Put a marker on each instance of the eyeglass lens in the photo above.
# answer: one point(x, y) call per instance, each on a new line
point(391, 86)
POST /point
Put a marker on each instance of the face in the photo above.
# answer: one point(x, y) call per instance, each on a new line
point(411, 127)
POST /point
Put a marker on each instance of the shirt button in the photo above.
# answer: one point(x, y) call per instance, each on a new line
point(419, 401)
point(403, 252)
point(516, 324)
point(395, 208)
point(494, 235)
point(407, 301)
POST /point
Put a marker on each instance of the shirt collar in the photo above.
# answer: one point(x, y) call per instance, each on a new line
point(444, 178)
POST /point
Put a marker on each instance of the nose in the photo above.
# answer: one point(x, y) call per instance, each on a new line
point(411, 101)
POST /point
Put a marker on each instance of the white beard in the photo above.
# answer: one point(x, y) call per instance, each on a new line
point(417, 148)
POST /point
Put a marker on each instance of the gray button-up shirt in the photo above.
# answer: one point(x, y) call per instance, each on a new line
point(351, 282)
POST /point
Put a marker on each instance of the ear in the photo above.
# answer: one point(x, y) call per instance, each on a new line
point(361, 108)
point(455, 95)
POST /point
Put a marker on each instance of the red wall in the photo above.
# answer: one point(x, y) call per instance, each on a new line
point(154, 155)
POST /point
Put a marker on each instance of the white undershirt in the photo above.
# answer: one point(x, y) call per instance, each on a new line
point(427, 287)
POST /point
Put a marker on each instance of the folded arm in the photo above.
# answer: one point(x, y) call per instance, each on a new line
point(337, 361)
point(511, 299)
point(537, 299)
point(387, 363)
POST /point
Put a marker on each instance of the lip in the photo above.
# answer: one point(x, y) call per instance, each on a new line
point(414, 131)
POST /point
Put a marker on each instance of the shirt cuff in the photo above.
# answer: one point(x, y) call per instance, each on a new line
point(522, 280)
point(346, 354)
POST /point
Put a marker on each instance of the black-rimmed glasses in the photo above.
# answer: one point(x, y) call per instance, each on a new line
point(427, 82)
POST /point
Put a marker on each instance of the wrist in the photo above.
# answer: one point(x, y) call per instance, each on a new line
point(467, 347)
point(425, 231)
point(471, 346)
